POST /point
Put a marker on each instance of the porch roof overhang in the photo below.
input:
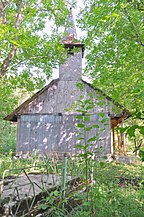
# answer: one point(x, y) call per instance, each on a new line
point(117, 119)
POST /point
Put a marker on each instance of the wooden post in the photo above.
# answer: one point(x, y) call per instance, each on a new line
point(123, 138)
point(113, 135)
point(64, 176)
point(119, 148)
point(124, 146)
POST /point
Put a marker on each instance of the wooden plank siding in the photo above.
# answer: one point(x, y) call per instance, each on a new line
point(61, 96)
point(48, 132)
point(45, 124)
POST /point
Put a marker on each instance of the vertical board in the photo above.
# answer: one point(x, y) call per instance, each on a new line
point(58, 133)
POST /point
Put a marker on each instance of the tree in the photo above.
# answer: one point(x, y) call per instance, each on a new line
point(115, 48)
point(26, 46)
point(28, 51)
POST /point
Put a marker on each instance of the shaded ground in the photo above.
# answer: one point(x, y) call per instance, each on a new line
point(29, 185)
point(117, 190)
point(25, 189)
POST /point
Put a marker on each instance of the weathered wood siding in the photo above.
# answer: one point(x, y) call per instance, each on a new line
point(72, 69)
point(61, 95)
point(50, 132)
point(40, 125)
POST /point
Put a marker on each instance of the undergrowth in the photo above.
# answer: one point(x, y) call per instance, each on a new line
point(117, 189)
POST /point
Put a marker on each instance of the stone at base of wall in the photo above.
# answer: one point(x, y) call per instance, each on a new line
point(124, 159)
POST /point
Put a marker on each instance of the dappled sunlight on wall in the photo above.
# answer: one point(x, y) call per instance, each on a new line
point(59, 133)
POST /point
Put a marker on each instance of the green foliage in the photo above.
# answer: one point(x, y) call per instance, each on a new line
point(7, 103)
point(141, 154)
point(84, 106)
point(84, 125)
point(85, 144)
point(25, 42)
point(7, 137)
point(10, 97)
point(14, 166)
point(114, 43)
point(49, 201)
point(134, 130)
point(117, 192)
point(115, 48)
point(29, 48)
point(117, 189)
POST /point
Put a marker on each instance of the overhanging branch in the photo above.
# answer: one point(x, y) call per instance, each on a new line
point(6, 63)
point(134, 28)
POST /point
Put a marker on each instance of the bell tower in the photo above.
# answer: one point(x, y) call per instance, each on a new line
point(71, 70)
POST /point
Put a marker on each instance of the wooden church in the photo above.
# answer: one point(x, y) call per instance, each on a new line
point(46, 122)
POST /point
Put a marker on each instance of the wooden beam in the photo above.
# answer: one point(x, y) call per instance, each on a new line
point(123, 139)
point(113, 136)
point(118, 135)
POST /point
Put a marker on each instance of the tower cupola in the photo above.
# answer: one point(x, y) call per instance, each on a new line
point(72, 69)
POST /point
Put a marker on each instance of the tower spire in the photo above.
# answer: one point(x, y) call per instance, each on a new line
point(70, 29)
point(70, 40)
point(72, 69)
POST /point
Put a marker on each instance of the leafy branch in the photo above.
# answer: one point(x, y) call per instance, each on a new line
point(133, 27)
point(13, 50)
